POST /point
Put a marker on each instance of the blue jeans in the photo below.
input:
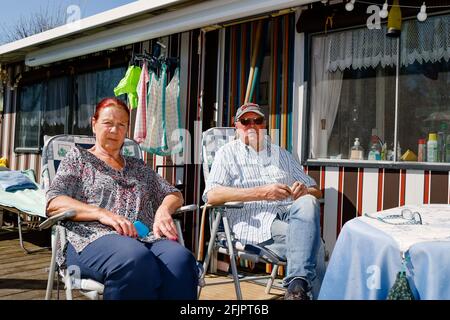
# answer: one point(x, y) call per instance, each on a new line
point(296, 238)
point(131, 269)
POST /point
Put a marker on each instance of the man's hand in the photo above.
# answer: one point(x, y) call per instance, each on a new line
point(276, 191)
point(298, 190)
point(164, 225)
point(122, 225)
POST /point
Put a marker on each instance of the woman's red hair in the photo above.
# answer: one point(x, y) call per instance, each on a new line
point(110, 102)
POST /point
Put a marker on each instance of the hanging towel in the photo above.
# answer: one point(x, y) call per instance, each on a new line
point(172, 115)
point(128, 85)
point(163, 118)
point(140, 128)
point(153, 138)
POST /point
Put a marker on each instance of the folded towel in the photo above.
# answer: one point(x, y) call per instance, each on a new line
point(15, 180)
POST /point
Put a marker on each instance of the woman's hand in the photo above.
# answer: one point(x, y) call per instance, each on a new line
point(122, 225)
point(164, 225)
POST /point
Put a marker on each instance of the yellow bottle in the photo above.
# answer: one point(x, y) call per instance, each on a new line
point(394, 21)
point(432, 148)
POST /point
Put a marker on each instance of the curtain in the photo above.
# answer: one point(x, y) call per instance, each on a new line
point(427, 41)
point(91, 88)
point(1, 99)
point(32, 98)
point(273, 91)
point(87, 98)
point(56, 110)
point(325, 96)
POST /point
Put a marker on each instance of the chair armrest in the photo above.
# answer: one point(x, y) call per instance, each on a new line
point(191, 207)
point(69, 214)
point(231, 204)
point(57, 217)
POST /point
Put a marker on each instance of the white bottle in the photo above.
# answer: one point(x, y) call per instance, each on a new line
point(357, 152)
point(432, 148)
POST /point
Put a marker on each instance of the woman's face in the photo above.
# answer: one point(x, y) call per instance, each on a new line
point(110, 128)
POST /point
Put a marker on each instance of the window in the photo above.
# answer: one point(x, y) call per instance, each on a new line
point(91, 88)
point(56, 108)
point(424, 108)
point(28, 123)
point(353, 93)
point(61, 105)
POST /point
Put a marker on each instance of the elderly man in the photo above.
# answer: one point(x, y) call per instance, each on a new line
point(281, 214)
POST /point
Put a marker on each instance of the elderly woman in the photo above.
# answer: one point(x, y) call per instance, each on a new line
point(109, 192)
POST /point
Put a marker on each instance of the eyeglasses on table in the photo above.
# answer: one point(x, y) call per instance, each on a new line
point(406, 214)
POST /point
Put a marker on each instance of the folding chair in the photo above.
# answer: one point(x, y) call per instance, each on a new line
point(223, 242)
point(55, 149)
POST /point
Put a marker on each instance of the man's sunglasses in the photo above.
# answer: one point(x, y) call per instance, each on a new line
point(247, 121)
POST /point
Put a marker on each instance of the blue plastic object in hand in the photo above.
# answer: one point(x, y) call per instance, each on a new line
point(141, 229)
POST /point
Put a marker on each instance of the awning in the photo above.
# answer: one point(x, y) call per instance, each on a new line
point(189, 18)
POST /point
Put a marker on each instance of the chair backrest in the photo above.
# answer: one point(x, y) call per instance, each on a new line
point(56, 147)
point(212, 140)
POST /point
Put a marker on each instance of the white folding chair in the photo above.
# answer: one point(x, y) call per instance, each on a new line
point(55, 149)
point(223, 242)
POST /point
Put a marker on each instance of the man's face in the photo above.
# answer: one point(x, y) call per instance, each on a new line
point(249, 127)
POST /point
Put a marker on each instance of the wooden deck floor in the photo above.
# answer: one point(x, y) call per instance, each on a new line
point(24, 276)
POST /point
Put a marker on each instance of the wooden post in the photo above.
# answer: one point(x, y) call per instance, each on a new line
point(255, 53)
point(201, 240)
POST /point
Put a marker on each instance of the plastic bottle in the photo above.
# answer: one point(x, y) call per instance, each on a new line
point(357, 152)
point(384, 151)
point(421, 150)
point(369, 145)
point(375, 149)
point(447, 149)
point(390, 152)
point(441, 139)
point(432, 148)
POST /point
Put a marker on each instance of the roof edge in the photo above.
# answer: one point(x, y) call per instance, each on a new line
point(116, 14)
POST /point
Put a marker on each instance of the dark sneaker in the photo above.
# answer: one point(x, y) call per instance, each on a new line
point(297, 290)
point(263, 252)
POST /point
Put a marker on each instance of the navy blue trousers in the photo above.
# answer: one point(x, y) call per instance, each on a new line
point(130, 269)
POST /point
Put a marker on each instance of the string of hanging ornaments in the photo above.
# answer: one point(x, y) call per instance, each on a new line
point(394, 15)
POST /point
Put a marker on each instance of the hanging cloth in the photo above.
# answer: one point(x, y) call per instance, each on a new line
point(163, 115)
point(172, 114)
point(140, 128)
point(1, 101)
point(128, 85)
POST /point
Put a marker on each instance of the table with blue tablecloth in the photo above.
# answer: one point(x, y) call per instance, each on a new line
point(369, 253)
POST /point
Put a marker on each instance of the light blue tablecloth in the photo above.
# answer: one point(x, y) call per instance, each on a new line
point(365, 262)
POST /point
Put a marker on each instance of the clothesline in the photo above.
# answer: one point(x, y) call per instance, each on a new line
point(153, 62)
point(407, 6)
